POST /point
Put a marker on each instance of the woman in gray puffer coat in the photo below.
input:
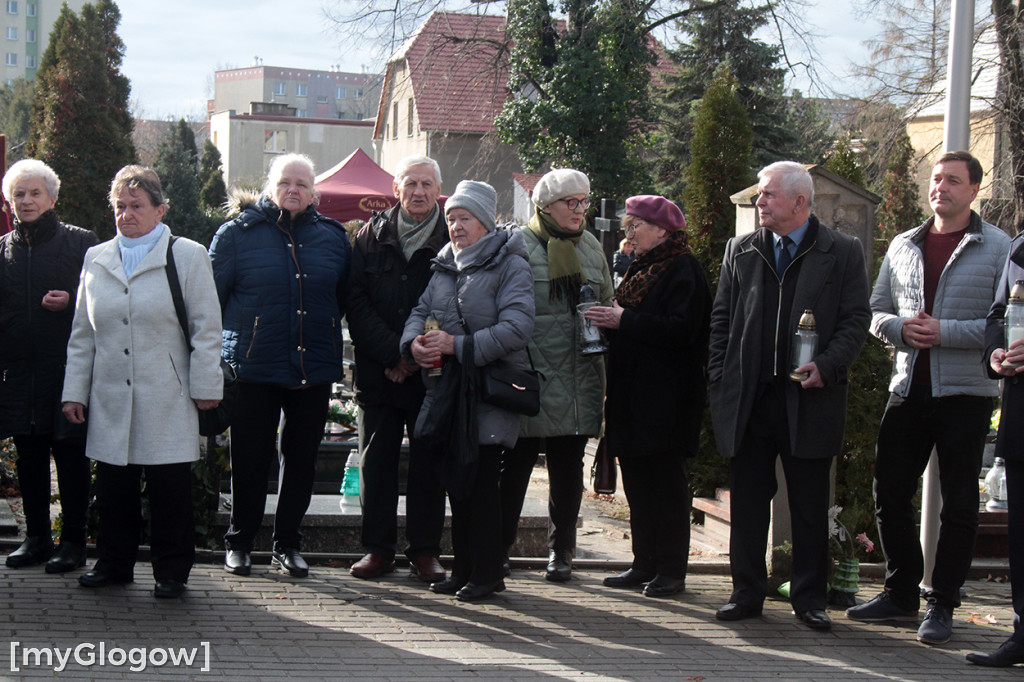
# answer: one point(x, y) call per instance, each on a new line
point(486, 270)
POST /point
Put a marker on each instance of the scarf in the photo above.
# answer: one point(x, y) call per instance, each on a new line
point(647, 269)
point(565, 275)
point(413, 236)
point(134, 249)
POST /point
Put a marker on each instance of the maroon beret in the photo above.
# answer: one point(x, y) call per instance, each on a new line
point(656, 210)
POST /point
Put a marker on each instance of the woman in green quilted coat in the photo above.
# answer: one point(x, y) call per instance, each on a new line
point(564, 256)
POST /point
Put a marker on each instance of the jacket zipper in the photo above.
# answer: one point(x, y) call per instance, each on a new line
point(252, 341)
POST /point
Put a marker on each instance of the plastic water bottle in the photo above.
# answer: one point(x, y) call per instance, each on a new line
point(350, 483)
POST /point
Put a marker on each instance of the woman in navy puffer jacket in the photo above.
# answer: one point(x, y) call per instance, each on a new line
point(280, 268)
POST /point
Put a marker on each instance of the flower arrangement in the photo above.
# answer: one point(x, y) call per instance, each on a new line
point(843, 541)
point(342, 412)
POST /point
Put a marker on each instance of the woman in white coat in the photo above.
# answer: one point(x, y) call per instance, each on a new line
point(129, 363)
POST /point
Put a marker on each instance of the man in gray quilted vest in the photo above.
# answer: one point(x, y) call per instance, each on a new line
point(930, 302)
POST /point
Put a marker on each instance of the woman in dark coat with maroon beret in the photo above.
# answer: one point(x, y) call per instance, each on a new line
point(659, 326)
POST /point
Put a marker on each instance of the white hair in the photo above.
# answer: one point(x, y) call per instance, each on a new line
point(793, 177)
point(31, 168)
point(403, 166)
point(278, 165)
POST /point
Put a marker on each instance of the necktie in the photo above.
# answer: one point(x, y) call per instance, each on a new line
point(785, 258)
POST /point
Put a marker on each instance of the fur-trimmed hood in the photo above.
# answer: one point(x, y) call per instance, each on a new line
point(241, 198)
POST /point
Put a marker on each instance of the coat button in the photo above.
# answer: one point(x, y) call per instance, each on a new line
point(125, 320)
point(128, 381)
point(126, 290)
point(126, 351)
point(405, 277)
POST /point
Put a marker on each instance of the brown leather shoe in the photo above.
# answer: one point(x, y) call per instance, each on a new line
point(427, 568)
point(372, 566)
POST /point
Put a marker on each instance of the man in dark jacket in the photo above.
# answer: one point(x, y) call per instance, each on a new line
point(1009, 446)
point(390, 269)
point(769, 279)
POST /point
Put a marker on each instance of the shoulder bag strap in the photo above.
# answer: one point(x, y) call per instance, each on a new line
point(175, 287)
point(462, 321)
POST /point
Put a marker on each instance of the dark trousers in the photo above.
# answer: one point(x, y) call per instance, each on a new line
point(476, 523)
point(956, 427)
point(659, 513)
point(172, 526)
point(1015, 529)
point(73, 476)
point(753, 485)
point(564, 457)
point(381, 428)
point(254, 445)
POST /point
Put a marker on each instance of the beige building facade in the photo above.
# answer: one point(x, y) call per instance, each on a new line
point(306, 93)
point(248, 143)
point(26, 27)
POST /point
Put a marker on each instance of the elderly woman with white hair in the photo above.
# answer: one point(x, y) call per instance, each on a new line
point(281, 270)
point(39, 265)
point(563, 258)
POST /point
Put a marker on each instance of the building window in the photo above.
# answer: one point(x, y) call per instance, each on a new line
point(321, 99)
point(30, 61)
point(279, 88)
point(12, 33)
point(300, 113)
point(339, 93)
point(30, 9)
point(30, 35)
point(12, 59)
point(300, 90)
point(12, 7)
point(410, 117)
point(394, 122)
point(359, 93)
point(275, 141)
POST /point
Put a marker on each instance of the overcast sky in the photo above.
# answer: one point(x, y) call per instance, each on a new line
point(173, 48)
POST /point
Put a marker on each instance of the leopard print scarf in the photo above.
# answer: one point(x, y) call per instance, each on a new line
point(647, 269)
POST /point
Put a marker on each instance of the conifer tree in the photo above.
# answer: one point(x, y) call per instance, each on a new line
point(719, 167)
point(81, 125)
point(843, 161)
point(177, 164)
point(900, 209)
point(213, 192)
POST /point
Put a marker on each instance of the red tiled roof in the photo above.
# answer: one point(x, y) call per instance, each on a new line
point(458, 64)
point(527, 180)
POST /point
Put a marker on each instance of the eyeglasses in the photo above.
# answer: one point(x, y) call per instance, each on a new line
point(631, 228)
point(573, 203)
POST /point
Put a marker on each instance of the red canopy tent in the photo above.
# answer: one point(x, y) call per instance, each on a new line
point(355, 188)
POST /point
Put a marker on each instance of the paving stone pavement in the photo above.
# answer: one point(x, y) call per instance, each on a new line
point(270, 626)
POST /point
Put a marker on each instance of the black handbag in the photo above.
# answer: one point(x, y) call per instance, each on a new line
point(505, 386)
point(216, 421)
point(603, 472)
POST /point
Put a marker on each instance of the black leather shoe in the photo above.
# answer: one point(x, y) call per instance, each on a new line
point(168, 589)
point(1009, 653)
point(238, 562)
point(734, 611)
point(471, 592)
point(815, 619)
point(663, 586)
point(97, 578)
point(288, 559)
point(34, 550)
point(630, 578)
point(447, 586)
point(559, 565)
point(68, 557)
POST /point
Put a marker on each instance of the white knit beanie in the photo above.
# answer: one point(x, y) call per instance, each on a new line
point(559, 183)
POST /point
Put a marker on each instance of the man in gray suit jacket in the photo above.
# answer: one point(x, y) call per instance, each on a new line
point(769, 278)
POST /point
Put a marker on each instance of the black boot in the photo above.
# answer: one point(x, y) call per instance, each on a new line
point(559, 565)
point(35, 550)
point(68, 557)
